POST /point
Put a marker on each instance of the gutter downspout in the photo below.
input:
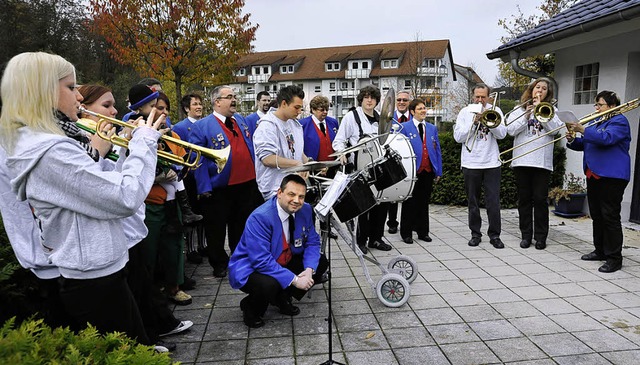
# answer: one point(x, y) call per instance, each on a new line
point(515, 57)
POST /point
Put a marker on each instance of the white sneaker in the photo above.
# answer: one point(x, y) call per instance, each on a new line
point(182, 326)
point(159, 348)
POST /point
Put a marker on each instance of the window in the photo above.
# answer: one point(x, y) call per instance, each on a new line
point(256, 70)
point(365, 64)
point(332, 86)
point(394, 63)
point(249, 89)
point(286, 69)
point(241, 72)
point(407, 84)
point(317, 88)
point(265, 70)
point(290, 69)
point(266, 88)
point(329, 66)
point(332, 66)
point(354, 65)
point(336, 66)
point(283, 69)
point(586, 83)
point(344, 85)
point(386, 64)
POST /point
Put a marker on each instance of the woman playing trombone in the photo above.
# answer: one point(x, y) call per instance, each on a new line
point(533, 170)
point(78, 206)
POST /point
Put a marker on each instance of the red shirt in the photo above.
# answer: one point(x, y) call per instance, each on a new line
point(242, 168)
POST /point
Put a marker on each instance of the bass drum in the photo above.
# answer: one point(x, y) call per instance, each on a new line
point(374, 158)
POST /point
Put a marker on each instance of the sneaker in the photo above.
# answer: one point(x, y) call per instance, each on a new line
point(380, 245)
point(181, 298)
point(182, 326)
point(160, 349)
point(170, 346)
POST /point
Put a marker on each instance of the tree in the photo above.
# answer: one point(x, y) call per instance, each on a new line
point(184, 41)
point(519, 24)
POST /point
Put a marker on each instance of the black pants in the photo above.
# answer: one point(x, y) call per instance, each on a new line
point(371, 224)
point(474, 181)
point(229, 208)
point(392, 221)
point(415, 210)
point(106, 303)
point(533, 208)
point(605, 196)
point(264, 289)
point(194, 236)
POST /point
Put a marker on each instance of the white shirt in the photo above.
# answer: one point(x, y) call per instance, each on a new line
point(528, 129)
point(318, 122)
point(424, 127)
point(484, 154)
point(284, 218)
point(192, 119)
point(406, 114)
point(349, 131)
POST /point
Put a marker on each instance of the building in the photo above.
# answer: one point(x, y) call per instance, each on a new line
point(596, 48)
point(425, 68)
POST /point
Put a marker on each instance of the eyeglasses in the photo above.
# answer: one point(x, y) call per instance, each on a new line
point(402, 100)
point(228, 97)
point(599, 105)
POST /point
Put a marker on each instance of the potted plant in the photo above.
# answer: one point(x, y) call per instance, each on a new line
point(569, 200)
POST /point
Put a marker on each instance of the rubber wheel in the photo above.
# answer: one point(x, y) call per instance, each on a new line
point(393, 290)
point(405, 267)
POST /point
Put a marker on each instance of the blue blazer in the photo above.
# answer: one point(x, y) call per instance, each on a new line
point(207, 132)
point(252, 120)
point(410, 130)
point(606, 148)
point(396, 116)
point(311, 139)
point(183, 128)
point(261, 245)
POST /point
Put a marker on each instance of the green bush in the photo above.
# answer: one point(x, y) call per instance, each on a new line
point(450, 189)
point(36, 343)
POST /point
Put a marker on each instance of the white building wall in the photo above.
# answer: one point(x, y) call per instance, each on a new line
point(619, 59)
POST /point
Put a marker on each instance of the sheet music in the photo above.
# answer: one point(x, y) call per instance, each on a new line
point(340, 182)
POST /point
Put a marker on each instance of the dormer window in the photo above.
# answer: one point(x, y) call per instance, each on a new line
point(332, 66)
point(390, 64)
point(241, 72)
point(286, 69)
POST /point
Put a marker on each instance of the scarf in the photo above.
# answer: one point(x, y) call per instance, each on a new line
point(71, 130)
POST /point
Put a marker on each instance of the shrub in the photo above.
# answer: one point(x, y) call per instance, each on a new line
point(36, 343)
point(572, 185)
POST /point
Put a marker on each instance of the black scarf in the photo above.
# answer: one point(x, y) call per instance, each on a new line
point(73, 131)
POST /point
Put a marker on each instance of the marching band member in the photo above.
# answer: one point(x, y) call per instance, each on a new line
point(82, 232)
point(401, 115)
point(481, 166)
point(533, 170)
point(263, 100)
point(607, 164)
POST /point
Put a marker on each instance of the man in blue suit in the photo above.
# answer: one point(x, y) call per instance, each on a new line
point(401, 115)
point(227, 197)
point(424, 140)
point(278, 255)
point(263, 99)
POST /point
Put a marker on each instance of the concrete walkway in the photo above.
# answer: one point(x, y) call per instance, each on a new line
point(469, 305)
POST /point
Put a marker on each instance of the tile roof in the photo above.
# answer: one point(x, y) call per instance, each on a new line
point(312, 66)
point(597, 13)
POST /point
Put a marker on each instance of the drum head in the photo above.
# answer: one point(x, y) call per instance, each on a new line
point(355, 200)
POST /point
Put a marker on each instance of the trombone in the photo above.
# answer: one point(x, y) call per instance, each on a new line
point(543, 112)
point(594, 118)
point(489, 118)
point(220, 157)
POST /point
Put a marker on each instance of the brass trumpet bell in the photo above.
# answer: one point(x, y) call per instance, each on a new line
point(543, 112)
point(491, 118)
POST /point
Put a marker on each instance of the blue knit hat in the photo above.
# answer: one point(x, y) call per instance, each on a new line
point(140, 95)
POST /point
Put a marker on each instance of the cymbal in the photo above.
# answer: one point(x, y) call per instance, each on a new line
point(360, 146)
point(313, 166)
point(386, 115)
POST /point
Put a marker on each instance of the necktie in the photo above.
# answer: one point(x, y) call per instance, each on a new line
point(323, 129)
point(421, 130)
point(286, 254)
point(403, 118)
point(292, 228)
point(229, 123)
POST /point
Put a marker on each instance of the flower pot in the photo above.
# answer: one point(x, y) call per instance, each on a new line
point(570, 207)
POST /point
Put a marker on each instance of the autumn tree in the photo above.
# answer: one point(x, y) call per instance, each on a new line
point(519, 24)
point(184, 41)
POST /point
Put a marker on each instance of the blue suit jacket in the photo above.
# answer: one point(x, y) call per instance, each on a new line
point(261, 245)
point(183, 128)
point(311, 139)
point(606, 148)
point(252, 120)
point(207, 132)
point(396, 116)
point(410, 130)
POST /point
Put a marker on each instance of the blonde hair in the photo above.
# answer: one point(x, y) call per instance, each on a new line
point(29, 92)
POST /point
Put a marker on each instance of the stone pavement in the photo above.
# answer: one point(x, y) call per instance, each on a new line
point(469, 305)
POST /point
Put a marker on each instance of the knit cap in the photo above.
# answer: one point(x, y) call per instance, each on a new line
point(140, 95)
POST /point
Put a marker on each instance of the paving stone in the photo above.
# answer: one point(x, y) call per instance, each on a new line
point(585, 359)
point(469, 353)
point(538, 325)
point(452, 333)
point(553, 306)
point(560, 344)
point(438, 316)
point(494, 330)
point(408, 337)
point(222, 350)
point(431, 355)
point(577, 322)
point(462, 299)
point(492, 296)
point(533, 292)
point(515, 349)
point(371, 357)
point(604, 340)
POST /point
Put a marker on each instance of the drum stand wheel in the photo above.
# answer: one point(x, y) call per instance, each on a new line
point(405, 266)
point(393, 290)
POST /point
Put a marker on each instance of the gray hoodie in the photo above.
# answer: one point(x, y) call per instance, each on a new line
point(79, 206)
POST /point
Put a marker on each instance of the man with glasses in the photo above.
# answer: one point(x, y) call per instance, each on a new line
point(227, 197)
point(263, 99)
point(279, 141)
point(401, 114)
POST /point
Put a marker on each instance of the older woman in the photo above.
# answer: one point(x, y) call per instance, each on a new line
point(533, 171)
point(607, 164)
point(79, 206)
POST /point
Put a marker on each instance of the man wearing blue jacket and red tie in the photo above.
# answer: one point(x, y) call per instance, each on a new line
point(278, 255)
point(227, 198)
point(319, 130)
point(426, 145)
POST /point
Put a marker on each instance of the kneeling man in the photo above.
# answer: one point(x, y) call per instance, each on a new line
point(278, 255)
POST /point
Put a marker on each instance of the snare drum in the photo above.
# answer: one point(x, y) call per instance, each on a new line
point(356, 199)
point(384, 164)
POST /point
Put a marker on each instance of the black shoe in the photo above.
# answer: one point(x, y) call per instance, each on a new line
point(497, 243)
point(393, 230)
point(188, 216)
point(363, 248)
point(611, 266)
point(194, 257)
point(249, 319)
point(380, 245)
point(541, 245)
point(288, 309)
point(593, 256)
point(474, 241)
point(333, 235)
point(425, 238)
point(220, 272)
point(188, 284)
point(323, 279)
point(171, 346)
point(525, 243)
point(407, 240)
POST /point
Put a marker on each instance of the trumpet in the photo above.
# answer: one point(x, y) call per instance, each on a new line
point(593, 118)
point(542, 112)
point(220, 157)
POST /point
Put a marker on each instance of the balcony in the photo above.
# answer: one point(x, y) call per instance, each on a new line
point(357, 74)
point(436, 112)
point(258, 79)
point(432, 71)
point(436, 91)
